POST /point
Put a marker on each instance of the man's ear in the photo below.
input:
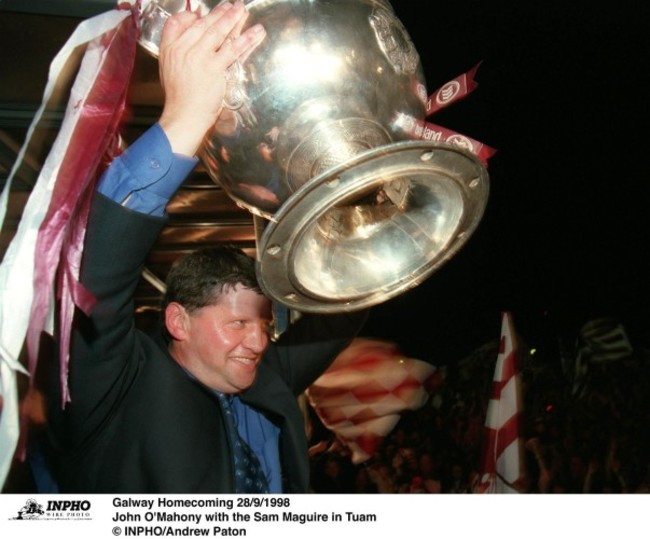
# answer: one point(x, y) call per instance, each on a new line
point(176, 319)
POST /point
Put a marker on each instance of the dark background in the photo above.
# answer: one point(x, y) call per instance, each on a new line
point(562, 96)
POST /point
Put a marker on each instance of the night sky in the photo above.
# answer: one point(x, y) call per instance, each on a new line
point(562, 97)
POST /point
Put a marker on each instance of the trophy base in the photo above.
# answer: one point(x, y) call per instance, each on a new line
point(372, 227)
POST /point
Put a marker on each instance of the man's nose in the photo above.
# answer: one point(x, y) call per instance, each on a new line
point(257, 338)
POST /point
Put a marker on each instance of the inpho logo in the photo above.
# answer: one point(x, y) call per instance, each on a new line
point(55, 510)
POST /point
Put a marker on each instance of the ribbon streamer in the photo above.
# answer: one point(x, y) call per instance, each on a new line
point(452, 91)
point(17, 271)
point(97, 103)
point(431, 131)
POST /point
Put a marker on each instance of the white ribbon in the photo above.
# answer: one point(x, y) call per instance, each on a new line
point(17, 268)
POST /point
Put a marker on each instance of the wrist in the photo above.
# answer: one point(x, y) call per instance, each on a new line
point(185, 136)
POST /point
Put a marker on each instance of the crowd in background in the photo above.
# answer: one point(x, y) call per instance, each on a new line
point(586, 437)
point(579, 436)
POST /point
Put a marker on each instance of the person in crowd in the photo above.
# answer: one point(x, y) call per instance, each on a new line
point(457, 482)
point(208, 404)
point(362, 482)
point(332, 473)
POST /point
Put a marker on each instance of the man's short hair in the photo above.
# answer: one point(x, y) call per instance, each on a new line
point(198, 279)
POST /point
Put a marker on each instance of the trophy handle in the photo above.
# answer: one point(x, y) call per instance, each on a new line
point(235, 95)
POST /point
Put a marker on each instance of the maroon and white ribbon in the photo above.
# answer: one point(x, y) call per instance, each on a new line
point(52, 226)
point(97, 107)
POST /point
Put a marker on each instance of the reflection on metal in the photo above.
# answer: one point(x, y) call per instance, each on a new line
point(355, 212)
point(373, 227)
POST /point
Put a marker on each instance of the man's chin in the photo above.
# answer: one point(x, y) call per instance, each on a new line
point(245, 382)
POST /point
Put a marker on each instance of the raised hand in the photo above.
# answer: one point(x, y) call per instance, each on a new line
point(195, 53)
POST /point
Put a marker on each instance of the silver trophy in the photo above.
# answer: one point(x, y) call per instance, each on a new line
point(350, 210)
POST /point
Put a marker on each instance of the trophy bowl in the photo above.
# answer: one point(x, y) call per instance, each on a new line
point(350, 211)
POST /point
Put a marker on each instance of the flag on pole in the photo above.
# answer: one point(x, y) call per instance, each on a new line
point(600, 342)
point(604, 340)
point(503, 461)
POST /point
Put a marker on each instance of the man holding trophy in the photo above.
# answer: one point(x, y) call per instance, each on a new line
point(208, 405)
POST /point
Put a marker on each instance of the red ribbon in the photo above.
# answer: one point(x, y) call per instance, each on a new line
point(430, 131)
point(60, 238)
point(451, 92)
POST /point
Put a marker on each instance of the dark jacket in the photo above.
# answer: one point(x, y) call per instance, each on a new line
point(137, 423)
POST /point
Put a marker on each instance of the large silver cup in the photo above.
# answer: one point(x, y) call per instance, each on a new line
point(350, 210)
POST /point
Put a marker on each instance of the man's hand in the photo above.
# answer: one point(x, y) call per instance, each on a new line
point(195, 53)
